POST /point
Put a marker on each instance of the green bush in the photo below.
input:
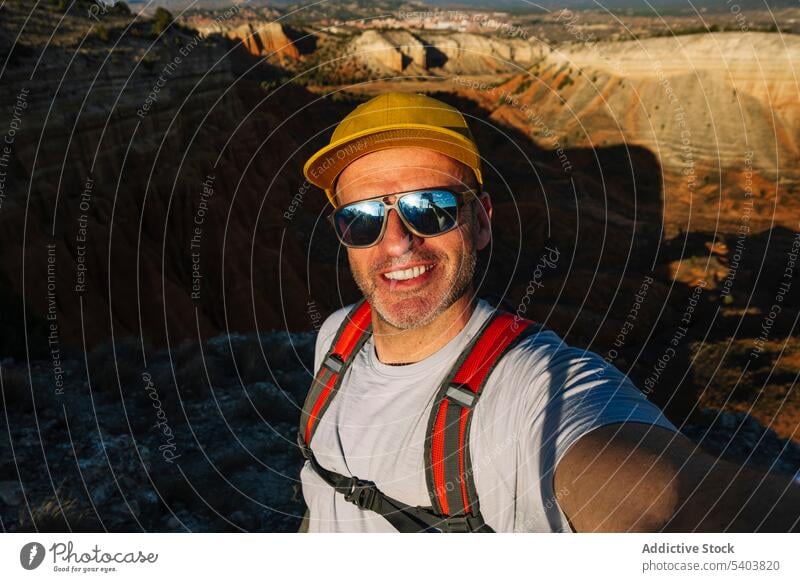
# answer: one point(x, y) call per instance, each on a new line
point(149, 61)
point(58, 513)
point(523, 86)
point(161, 20)
point(102, 33)
point(121, 8)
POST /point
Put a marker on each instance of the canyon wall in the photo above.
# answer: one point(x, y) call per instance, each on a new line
point(719, 110)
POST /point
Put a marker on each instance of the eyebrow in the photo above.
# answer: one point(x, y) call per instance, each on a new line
point(449, 187)
point(465, 184)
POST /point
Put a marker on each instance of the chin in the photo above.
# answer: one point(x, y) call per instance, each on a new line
point(408, 313)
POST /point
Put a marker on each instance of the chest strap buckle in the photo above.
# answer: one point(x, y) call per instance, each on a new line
point(464, 524)
point(364, 494)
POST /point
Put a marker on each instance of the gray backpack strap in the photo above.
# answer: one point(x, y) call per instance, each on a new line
point(448, 465)
point(351, 336)
point(471, 370)
point(354, 331)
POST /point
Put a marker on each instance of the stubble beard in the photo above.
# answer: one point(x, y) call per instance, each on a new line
point(420, 307)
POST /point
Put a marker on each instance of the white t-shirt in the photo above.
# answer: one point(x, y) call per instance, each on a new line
point(541, 397)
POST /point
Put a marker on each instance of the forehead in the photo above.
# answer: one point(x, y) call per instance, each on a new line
point(398, 170)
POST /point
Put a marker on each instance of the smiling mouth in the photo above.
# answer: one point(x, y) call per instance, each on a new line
point(408, 274)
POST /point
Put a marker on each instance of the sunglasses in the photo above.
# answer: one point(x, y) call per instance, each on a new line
point(426, 213)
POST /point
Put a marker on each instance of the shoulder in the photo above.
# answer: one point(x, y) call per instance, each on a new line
point(543, 370)
point(569, 389)
point(544, 350)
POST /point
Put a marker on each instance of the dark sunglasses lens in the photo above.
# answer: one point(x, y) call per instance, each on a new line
point(359, 224)
point(430, 212)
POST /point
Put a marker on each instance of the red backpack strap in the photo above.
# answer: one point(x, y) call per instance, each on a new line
point(354, 331)
point(448, 467)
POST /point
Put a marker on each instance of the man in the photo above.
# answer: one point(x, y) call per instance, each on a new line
point(558, 439)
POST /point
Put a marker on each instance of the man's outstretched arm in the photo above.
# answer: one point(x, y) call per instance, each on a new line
point(638, 477)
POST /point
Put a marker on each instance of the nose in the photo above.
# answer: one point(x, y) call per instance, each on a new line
point(397, 239)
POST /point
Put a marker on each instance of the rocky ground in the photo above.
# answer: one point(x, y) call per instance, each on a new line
point(149, 451)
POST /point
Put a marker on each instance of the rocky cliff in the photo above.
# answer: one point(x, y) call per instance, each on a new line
point(424, 52)
point(719, 110)
point(264, 39)
point(377, 51)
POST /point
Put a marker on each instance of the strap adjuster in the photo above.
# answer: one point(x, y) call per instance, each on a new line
point(364, 494)
point(305, 450)
point(461, 394)
point(462, 524)
point(334, 363)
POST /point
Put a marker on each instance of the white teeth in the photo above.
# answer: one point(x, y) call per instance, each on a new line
point(407, 273)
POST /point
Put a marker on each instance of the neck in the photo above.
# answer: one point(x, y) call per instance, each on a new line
point(394, 345)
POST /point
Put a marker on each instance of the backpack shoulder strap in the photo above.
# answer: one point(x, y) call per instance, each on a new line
point(448, 467)
point(448, 431)
point(354, 331)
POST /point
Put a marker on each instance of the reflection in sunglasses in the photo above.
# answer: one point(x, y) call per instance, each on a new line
point(425, 213)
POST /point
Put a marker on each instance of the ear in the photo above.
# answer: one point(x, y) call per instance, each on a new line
point(483, 232)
